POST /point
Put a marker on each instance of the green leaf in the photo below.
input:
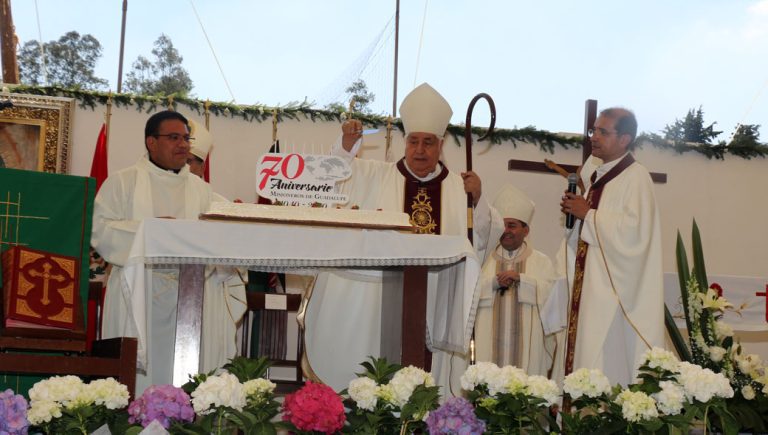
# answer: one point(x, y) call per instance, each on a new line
point(263, 428)
point(677, 338)
point(683, 274)
point(246, 369)
point(699, 269)
point(379, 369)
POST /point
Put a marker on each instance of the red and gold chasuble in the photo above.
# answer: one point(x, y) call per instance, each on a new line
point(422, 200)
point(593, 199)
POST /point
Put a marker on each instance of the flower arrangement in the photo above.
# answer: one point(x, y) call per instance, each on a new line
point(669, 397)
point(712, 343)
point(61, 404)
point(314, 408)
point(13, 414)
point(237, 398)
point(509, 400)
point(387, 398)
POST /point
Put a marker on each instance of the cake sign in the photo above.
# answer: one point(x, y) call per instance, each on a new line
point(301, 179)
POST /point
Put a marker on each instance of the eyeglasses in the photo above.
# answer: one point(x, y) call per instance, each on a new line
point(175, 137)
point(603, 132)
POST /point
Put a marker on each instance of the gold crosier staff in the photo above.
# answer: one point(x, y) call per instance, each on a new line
point(207, 114)
point(388, 143)
point(274, 130)
point(107, 118)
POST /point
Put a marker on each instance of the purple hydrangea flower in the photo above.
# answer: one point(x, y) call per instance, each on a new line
point(13, 414)
point(455, 416)
point(163, 403)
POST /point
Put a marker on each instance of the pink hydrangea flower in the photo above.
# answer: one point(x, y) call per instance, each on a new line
point(315, 407)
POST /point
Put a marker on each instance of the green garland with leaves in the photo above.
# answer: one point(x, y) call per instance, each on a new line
point(747, 147)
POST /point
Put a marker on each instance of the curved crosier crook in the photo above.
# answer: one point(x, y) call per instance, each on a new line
point(468, 139)
point(468, 124)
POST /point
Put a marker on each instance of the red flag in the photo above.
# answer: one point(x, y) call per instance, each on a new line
point(99, 168)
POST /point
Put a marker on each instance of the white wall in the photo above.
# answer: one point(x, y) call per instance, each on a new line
point(725, 197)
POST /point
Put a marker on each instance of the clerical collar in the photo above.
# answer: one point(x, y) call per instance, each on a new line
point(605, 167)
point(175, 171)
point(513, 253)
point(431, 176)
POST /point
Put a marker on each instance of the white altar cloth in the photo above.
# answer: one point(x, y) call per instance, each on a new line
point(290, 248)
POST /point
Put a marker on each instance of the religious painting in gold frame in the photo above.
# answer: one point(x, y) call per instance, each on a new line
point(35, 132)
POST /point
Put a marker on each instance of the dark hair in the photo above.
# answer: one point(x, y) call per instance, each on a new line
point(626, 123)
point(153, 123)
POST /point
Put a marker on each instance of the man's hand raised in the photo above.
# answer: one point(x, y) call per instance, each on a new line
point(352, 131)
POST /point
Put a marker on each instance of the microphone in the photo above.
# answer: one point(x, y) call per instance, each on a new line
point(573, 179)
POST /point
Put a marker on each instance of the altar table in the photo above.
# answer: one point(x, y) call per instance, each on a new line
point(192, 244)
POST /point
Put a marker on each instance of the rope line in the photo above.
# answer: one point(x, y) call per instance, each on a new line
point(746, 112)
point(421, 43)
point(40, 43)
point(215, 57)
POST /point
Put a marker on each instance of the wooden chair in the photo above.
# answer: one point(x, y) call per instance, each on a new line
point(288, 302)
point(46, 352)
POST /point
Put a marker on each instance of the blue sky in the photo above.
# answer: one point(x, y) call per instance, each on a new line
point(540, 60)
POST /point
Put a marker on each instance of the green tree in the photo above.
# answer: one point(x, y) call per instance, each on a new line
point(164, 76)
point(746, 142)
point(69, 62)
point(691, 129)
point(357, 91)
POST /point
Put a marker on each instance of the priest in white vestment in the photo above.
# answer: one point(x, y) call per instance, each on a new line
point(344, 316)
point(613, 257)
point(158, 185)
point(224, 300)
point(514, 284)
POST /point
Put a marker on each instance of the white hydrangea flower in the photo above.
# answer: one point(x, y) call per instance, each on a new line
point(543, 388)
point(478, 374)
point(258, 387)
point(716, 353)
point(66, 390)
point(364, 391)
point(748, 392)
point(722, 330)
point(108, 392)
point(586, 382)
point(637, 406)
point(405, 381)
point(660, 358)
point(42, 411)
point(220, 390)
point(509, 379)
point(670, 399)
point(703, 384)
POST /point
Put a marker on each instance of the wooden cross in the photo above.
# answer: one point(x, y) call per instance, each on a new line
point(764, 294)
point(548, 166)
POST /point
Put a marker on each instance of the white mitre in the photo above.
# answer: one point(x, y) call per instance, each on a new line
point(203, 140)
point(424, 110)
point(512, 202)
